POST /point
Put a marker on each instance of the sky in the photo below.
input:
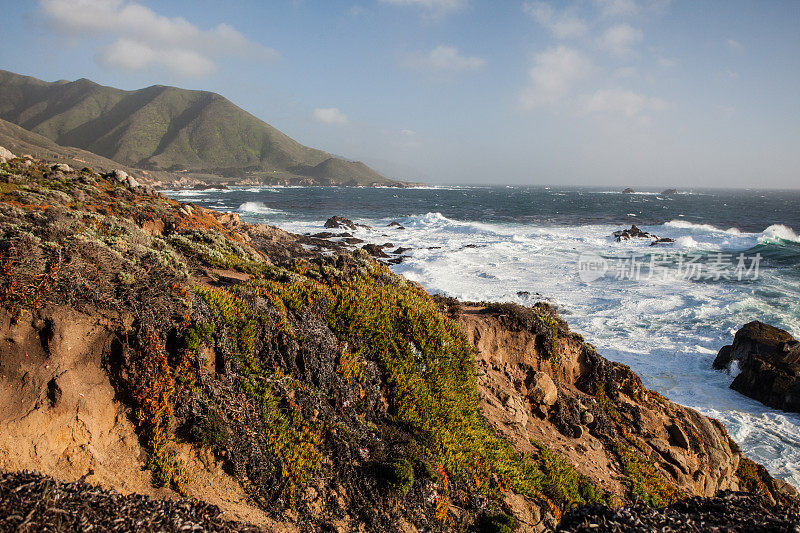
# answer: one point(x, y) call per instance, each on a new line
point(648, 93)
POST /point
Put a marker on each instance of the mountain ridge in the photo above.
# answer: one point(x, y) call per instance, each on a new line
point(165, 128)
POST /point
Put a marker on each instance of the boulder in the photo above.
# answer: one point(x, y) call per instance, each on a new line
point(769, 363)
point(340, 222)
point(669, 192)
point(628, 191)
point(123, 178)
point(395, 224)
point(542, 392)
point(61, 167)
point(119, 175)
point(5, 155)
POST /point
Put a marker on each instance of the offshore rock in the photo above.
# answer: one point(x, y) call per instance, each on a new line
point(769, 360)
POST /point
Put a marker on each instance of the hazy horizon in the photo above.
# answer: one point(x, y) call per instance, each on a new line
point(649, 94)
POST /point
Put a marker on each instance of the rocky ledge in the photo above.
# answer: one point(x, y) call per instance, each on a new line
point(768, 360)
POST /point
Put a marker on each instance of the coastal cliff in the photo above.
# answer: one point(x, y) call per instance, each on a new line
point(155, 347)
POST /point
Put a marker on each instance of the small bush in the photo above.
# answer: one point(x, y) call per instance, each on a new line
point(401, 475)
point(497, 523)
point(213, 431)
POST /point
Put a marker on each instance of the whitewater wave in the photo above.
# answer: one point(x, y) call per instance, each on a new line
point(258, 208)
point(779, 232)
point(685, 224)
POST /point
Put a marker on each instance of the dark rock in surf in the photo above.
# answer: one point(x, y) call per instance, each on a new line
point(669, 192)
point(375, 251)
point(662, 240)
point(628, 191)
point(769, 360)
point(634, 232)
point(395, 224)
point(340, 222)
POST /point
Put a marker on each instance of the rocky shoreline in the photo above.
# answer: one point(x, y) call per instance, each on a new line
point(156, 347)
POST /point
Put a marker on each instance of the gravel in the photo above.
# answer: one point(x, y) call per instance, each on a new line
point(728, 511)
point(30, 501)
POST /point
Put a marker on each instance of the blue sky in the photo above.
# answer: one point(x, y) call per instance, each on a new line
point(589, 92)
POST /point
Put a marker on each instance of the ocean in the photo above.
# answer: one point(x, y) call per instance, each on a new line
point(664, 310)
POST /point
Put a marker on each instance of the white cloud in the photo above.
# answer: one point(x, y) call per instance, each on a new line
point(622, 102)
point(621, 38)
point(444, 60)
point(126, 54)
point(330, 115)
point(552, 75)
point(736, 45)
point(142, 38)
point(432, 8)
point(612, 8)
point(563, 24)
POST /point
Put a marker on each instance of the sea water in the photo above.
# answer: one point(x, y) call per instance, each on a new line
point(525, 244)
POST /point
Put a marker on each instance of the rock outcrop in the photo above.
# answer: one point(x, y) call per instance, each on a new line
point(5, 155)
point(542, 383)
point(628, 190)
point(635, 233)
point(768, 360)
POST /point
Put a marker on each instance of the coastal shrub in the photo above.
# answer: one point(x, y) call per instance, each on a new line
point(426, 360)
point(401, 475)
point(152, 395)
point(644, 481)
point(428, 363)
point(212, 431)
point(293, 440)
point(496, 523)
point(562, 483)
point(350, 366)
point(750, 477)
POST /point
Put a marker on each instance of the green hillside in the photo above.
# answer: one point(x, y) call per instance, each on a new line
point(166, 128)
point(23, 142)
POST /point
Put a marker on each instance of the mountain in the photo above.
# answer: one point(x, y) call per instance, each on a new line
point(162, 128)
